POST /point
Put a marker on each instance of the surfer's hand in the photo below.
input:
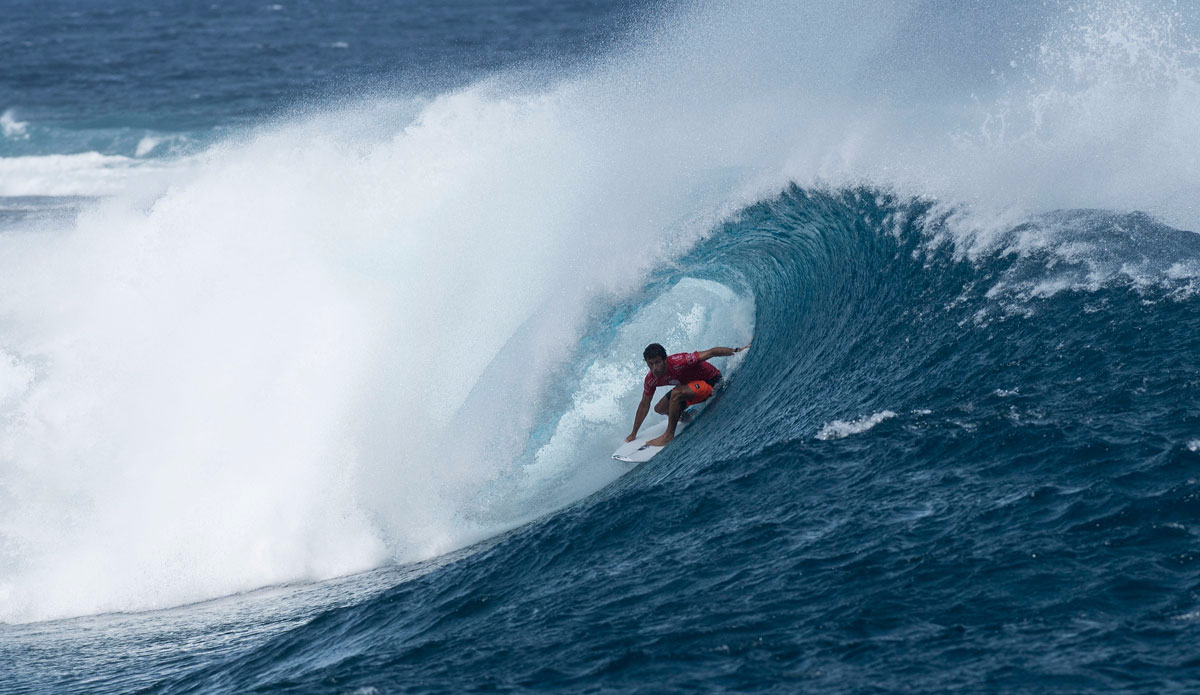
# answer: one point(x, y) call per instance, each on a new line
point(744, 347)
point(631, 437)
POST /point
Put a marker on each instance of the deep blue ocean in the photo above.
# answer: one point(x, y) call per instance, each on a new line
point(319, 322)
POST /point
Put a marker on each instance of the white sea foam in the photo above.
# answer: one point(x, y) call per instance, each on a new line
point(86, 174)
point(264, 375)
point(15, 378)
point(13, 129)
point(147, 145)
point(840, 429)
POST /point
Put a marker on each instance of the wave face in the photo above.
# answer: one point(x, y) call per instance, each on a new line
point(1010, 493)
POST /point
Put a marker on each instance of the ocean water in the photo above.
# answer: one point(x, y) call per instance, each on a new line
point(319, 322)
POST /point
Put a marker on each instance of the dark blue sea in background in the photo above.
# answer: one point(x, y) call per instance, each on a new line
point(962, 454)
point(122, 69)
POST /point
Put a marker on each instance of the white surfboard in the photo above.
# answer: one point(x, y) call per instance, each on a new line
point(638, 451)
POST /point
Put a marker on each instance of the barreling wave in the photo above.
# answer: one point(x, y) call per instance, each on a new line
point(406, 331)
point(1038, 438)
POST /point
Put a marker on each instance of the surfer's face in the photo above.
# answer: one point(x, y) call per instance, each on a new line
point(657, 365)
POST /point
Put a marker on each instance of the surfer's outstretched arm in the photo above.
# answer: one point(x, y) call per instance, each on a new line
point(719, 352)
point(642, 411)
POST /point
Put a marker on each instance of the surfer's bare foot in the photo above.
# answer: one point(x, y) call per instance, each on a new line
point(661, 440)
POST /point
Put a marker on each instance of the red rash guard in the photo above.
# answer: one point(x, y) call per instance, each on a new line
point(681, 369)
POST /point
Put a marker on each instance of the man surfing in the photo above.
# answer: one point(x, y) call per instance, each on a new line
point(692, 376)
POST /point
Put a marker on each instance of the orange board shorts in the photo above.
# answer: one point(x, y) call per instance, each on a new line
point(702, 390)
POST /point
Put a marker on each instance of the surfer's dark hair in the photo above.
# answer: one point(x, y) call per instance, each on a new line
point(654, 350)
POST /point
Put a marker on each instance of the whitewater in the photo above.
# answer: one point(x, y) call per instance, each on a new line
point(321, 398)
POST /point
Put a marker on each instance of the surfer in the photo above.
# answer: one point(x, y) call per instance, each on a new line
point(692, 376)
